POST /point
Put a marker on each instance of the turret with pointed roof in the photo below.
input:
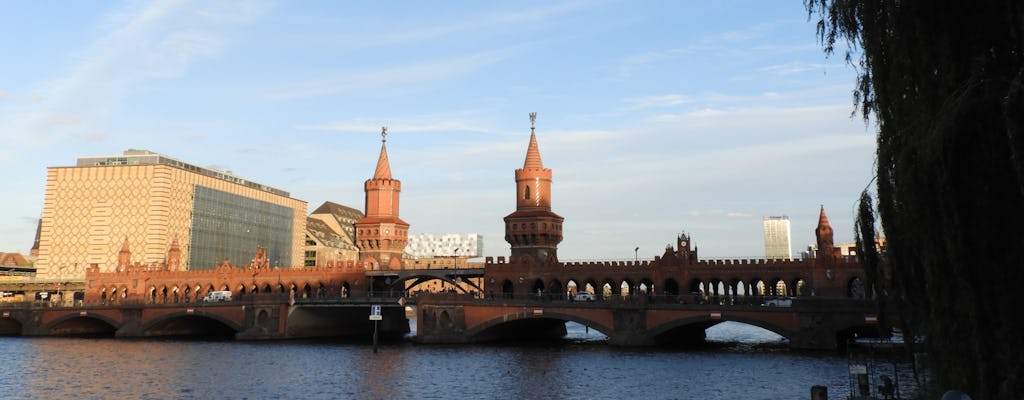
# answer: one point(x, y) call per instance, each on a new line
point(381, 236)
point(124, 257)
point(533, 229)
point(827, 252)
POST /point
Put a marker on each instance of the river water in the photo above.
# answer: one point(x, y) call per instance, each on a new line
point(740, 362)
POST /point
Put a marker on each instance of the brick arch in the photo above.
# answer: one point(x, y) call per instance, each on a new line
point(197, 313)
point(400, 282)
point(515, 316)
point(705, 319)
point(20, 318)
point(48, 327)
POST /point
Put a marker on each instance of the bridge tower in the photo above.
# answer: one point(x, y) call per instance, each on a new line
point(174, 256)
point(124, 257)
point(533, 229)
point(827, 252)
point(381, 236)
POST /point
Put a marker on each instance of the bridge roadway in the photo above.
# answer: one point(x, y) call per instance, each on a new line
point(254, 317)
point(808, 323)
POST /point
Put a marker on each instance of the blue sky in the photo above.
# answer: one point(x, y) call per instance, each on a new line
point(656, 117)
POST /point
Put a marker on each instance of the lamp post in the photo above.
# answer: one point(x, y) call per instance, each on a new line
point(636, 254)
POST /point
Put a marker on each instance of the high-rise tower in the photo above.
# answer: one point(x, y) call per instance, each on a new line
point(381, 236)
point(533, 230)
point(777, 238)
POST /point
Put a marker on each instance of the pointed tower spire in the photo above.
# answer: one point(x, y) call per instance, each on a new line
point(124, 257)
point(383, 170)
point(174, 256)
point(533, 152)
point(822, 218)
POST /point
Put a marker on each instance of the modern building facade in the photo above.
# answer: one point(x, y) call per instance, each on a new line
point(150, 201)
point(777, 238)
point(467, 245)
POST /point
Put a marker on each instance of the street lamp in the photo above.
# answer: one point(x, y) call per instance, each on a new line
point(636, 254)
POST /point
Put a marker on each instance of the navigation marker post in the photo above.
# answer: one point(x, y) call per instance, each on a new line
point(375, 317)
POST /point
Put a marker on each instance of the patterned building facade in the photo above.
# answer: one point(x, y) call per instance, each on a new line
point(150, 201)
point(425, 245)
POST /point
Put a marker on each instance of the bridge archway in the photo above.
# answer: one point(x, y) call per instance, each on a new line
point(738, 287)
point(692, 329)
point(538, 287)
point(82, 325)
point(801, 288)
point(779, 287)
point(180, 324)
point(646, 287)
point(519, 325)
point(671, 287)
point(10, 326)
point(609, 288)
point(555, 288)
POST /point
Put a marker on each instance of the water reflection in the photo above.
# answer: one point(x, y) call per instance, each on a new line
point(585, 367)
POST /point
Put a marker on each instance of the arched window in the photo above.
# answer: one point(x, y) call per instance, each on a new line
point(526, 193)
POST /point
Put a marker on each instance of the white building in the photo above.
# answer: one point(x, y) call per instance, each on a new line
point(777, 238)
point(467, 245)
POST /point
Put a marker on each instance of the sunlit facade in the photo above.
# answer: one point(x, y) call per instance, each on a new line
point(150, 200)
point(777, 238)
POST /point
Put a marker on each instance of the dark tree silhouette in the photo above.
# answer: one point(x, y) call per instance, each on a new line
point(943, 81)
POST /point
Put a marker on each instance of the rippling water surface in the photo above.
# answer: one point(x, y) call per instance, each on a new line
point(742, 362)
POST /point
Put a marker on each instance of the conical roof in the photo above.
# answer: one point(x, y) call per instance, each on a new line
point(383, 167)
point(823, 219)
point(533, 154)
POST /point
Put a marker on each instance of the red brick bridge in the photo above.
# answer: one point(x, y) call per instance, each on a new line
point(808, 323)
point(253, 318)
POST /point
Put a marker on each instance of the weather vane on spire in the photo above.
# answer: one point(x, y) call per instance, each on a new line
point(533, 118)
point(383, 134)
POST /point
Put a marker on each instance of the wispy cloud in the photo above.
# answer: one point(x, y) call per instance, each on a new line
point(159, 39)
point(668, 100)
point(474, 25)
point(793, 68)
point(371, 78)
point(404, 125)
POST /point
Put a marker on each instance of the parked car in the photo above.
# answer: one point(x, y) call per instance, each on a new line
point(779, 302)
point(584, 296)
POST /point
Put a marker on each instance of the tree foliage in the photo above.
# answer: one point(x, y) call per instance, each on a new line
point(945, 82)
